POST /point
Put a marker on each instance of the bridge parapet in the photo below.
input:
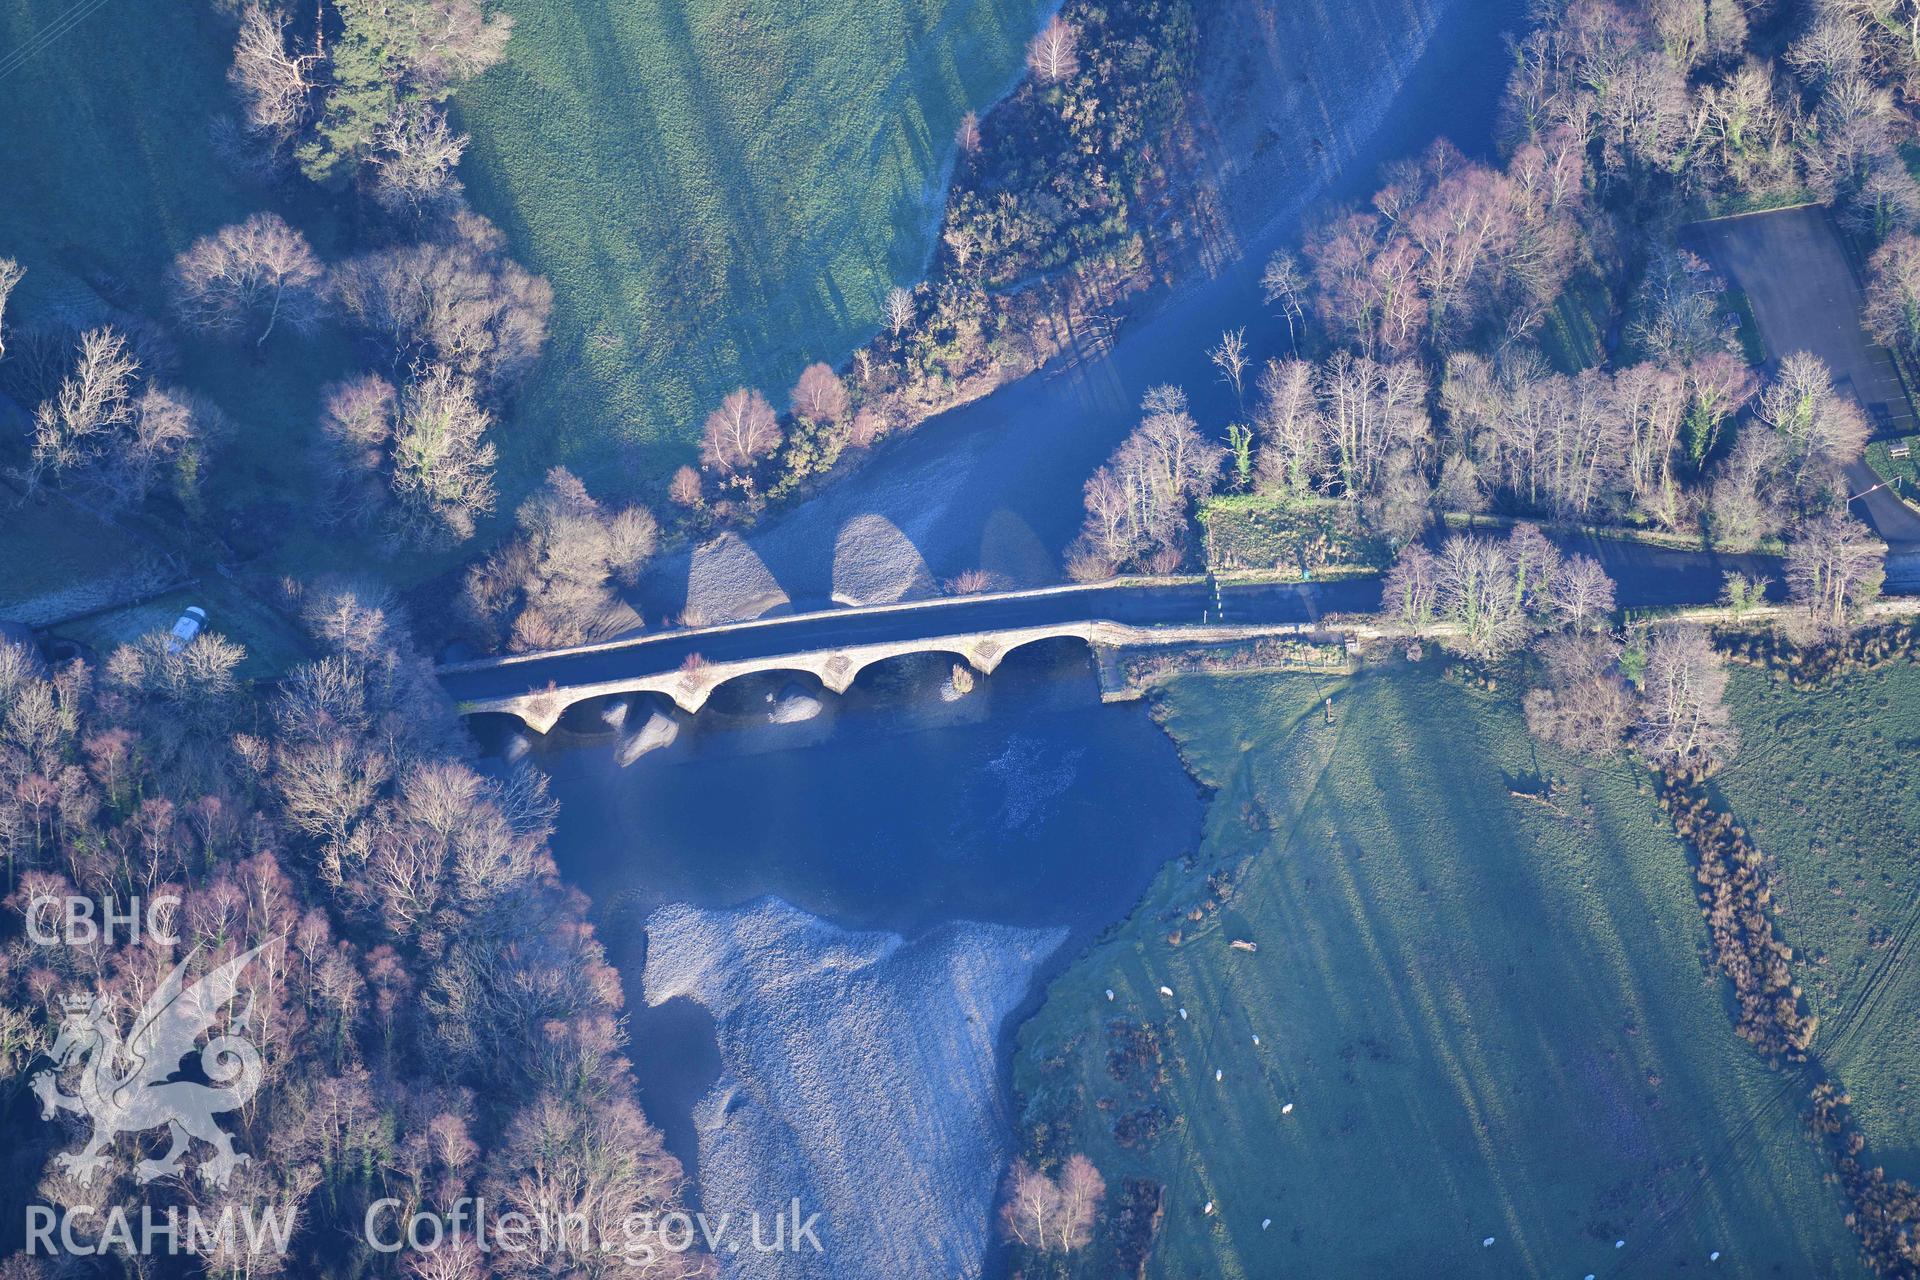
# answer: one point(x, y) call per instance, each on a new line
point(836, 669)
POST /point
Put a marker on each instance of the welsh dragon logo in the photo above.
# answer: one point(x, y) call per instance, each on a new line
point(143, 1095)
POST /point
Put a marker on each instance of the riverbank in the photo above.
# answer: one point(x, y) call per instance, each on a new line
point(995, 484)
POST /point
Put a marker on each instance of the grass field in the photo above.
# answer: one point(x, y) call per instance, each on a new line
point(1827, 784)
point(1903, 472)
point(273, 646)
point(56, 561)
point(721, 191)
point(109, 171)
point(1493, 1015)
point(1575, 335)
point(1306, 537)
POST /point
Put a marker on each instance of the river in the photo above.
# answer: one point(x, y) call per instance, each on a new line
point(996, 484)
point(1027, 802)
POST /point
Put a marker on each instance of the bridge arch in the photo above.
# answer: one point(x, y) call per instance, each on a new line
point(690, 685)
point(773, 674)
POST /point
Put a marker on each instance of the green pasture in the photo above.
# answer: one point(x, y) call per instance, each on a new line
point(272, 645)
point(1494, 1014)
point(1903, 472)
point(57, 561)
point(721, 191)
point(108, 168)
point(1299, 537)
point(1828, 784)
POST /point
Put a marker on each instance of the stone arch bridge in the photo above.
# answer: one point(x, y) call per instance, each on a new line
point(837, 645)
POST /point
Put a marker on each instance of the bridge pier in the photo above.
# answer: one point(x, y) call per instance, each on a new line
point(691, 691)
point(836, 669)
point(984, 654)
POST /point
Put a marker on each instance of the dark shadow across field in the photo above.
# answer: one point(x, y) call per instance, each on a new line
point(1492, 1013)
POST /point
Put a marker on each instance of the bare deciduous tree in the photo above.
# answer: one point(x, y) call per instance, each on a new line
point(684, 490)
point(819, 395)
point(1741, 503)
point(1718, 386)
point(899, 310)
point(1678, 313)
point(1137, 503)
point(1291, 434)
point(457, 300)
point(552, 585)
point(415, 156)
point(260, 269)
point(10, 273)
point(1283, 285)
point(1581, 593)
point(1081, 1191)
point(1893, 292)
point(275, 84)
point(968, 134)
point(1369, 411)
point(743, 430)
point(1834, 566)
point(356, 429)
point(99, 433)
point(1683, 719)
point(1054, 54)
point(76, 428)
point(442, 462)
point(1229, 356)
point(1410, 592)
point(1049, 1216)
point(1477, 589)
point(1585, 705)
point(1819, 428)
point(595, 1163)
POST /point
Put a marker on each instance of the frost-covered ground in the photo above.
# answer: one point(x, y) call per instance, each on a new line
point(857, 1075)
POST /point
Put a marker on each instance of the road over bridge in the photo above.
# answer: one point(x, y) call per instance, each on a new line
point(836, 645)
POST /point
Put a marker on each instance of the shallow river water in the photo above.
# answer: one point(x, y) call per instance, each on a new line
point(1026, 802)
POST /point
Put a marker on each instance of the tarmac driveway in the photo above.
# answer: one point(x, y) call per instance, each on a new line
point(1806, 297)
